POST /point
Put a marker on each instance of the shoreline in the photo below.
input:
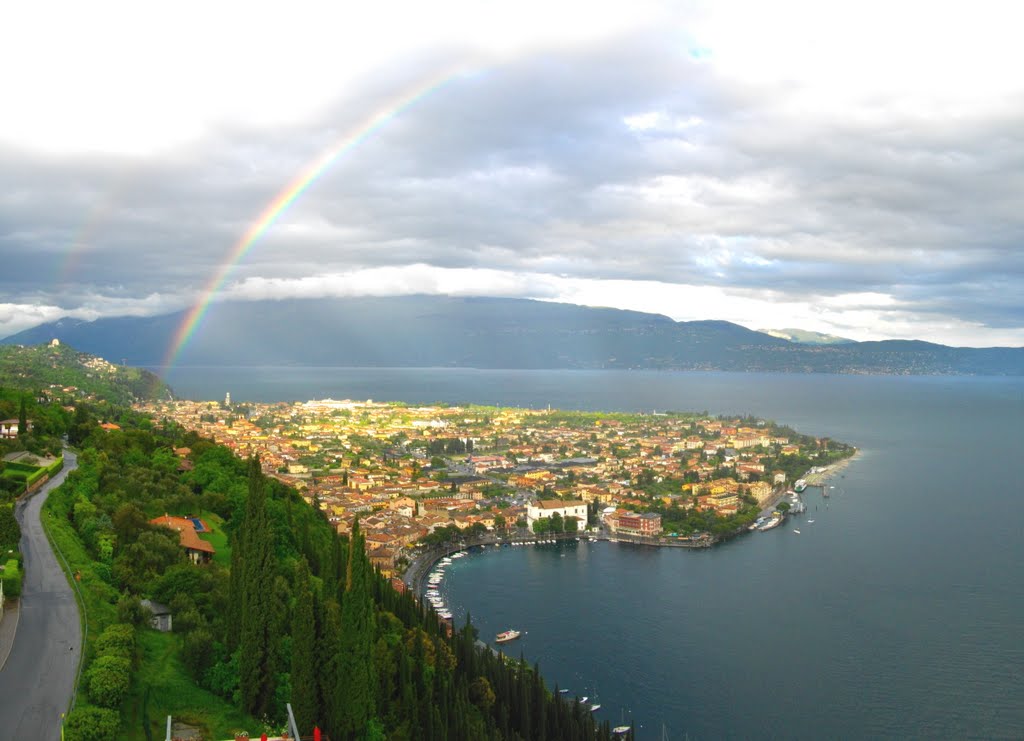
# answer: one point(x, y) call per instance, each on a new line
point(826, 473)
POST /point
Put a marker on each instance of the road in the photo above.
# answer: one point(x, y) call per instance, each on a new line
point(37, 681)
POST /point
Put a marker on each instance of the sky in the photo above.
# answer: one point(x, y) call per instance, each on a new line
point(854, 168)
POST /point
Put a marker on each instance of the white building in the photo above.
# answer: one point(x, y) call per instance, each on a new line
point(540, 508)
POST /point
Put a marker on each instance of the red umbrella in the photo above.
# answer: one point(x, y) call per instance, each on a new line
point(316, 733)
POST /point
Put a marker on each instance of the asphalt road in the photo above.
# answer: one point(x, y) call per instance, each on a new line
point(37, 681)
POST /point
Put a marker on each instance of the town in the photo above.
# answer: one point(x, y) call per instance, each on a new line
point(415, 474)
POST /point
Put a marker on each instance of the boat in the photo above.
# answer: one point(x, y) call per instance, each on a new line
point(584, 699)
point(796, 531)
point(595, 706)
point(774, 522)
point(445, 615)
point(562, 691)
point(810, 522)
point(800, 485)
point(620, 730)
point(507, 635)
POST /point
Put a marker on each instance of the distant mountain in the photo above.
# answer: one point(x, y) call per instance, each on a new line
point(806, 337)
point(432, 331)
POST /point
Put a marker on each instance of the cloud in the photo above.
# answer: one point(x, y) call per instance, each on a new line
point(842, 171)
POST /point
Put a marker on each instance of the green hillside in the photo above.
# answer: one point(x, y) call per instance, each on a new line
point(61, 372)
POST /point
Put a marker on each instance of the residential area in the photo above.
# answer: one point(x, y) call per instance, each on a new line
point(411, 473)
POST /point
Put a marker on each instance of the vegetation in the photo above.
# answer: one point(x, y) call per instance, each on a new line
point(64, 373)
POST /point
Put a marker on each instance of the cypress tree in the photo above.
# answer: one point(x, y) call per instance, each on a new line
point(22, 419)
point(356, 683)
point(256, 670)
point(236, 594)
point(328, 655)
point(305, 703)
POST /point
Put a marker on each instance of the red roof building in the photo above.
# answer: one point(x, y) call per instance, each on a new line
point(197, 549)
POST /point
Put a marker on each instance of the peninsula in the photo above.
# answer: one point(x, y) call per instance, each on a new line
point(428, 474)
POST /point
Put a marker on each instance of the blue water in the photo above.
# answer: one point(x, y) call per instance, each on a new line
point(898, 613)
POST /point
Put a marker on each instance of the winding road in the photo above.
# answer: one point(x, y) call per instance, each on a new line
point(38, 678)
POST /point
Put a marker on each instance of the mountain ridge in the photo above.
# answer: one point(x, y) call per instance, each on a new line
point(487, 332)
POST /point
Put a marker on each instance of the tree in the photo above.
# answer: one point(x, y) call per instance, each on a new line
point(92, 724)
point(304, 689)
point(22, 419)
point(356, 682)
point(256, 667)
point(109, 678)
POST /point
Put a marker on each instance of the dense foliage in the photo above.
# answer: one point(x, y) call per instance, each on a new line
point(63, 371)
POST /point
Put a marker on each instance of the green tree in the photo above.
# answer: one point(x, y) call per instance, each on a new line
point(92, 724)
point(22, 419)
point(355, 691)
point(109, 679)
point(304, 689)
point(257, 642)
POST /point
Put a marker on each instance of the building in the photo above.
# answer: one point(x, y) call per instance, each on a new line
point(196, 549)
point(646, 524)
point(9, 428)
point(762, 492)
point(541, 508)
point(160, 617)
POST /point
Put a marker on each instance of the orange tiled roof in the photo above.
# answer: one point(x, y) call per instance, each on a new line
point(186, 533)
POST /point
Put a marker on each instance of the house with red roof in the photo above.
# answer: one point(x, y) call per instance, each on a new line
point(197, 549)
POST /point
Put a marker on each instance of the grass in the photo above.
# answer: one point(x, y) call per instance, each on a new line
point(217, 538)
point(172, 692)
point(100, 598)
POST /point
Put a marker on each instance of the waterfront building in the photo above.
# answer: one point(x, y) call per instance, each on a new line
point(646, 524)
point(541, 508)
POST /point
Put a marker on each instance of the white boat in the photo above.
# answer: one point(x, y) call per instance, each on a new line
point(595, 706)
point(774, 522)
point(800, 485)
point(505, 636)
point(810, 522)
point(796, 531)
point(620, 730)
point(445, 615)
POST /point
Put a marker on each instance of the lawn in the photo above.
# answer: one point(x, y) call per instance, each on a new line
point(172, 692)
point(217, 538)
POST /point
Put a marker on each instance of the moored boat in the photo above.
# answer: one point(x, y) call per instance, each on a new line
point(800, 485)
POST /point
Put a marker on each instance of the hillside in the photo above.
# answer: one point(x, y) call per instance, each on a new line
point(430, 331)
point(59, 368)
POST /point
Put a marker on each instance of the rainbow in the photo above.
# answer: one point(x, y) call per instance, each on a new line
point(285, 198)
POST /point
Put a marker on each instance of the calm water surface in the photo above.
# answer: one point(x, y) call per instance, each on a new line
point(898, 613)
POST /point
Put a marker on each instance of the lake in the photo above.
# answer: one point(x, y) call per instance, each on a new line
point(899, 612)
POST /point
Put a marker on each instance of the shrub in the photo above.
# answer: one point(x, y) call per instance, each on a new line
point(10, 532)
point(197, 653)
point(117, 640)
point(109, 679)
point(129, 610)
point(12, 579)
point(92, 724)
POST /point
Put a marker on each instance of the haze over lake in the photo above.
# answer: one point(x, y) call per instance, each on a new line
point(897, 613)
